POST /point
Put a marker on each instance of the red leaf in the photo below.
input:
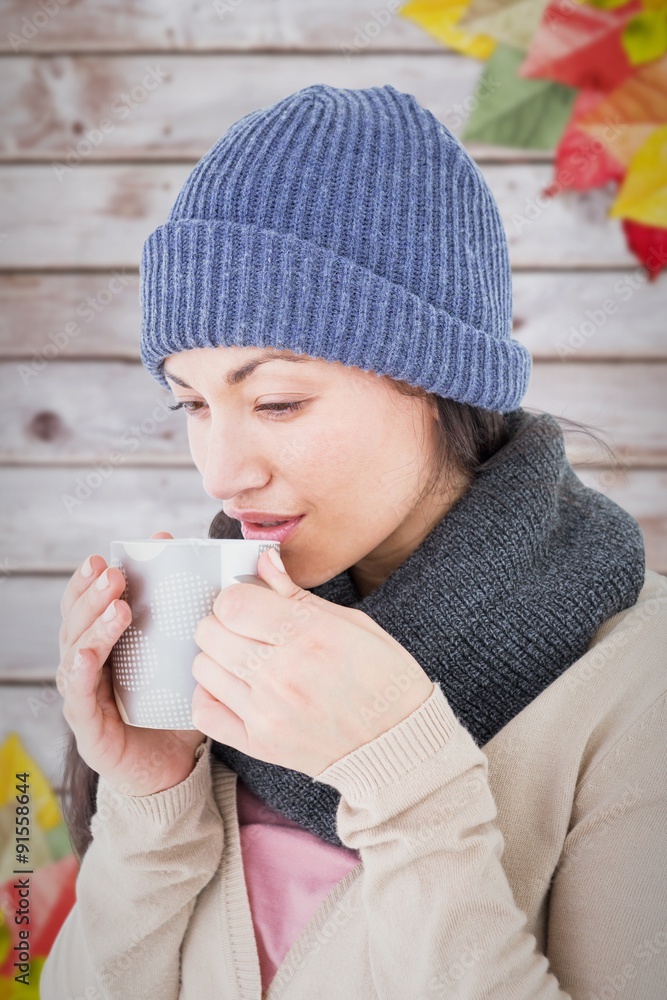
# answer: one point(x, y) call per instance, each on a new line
point(649, 244)
point(581, 46)
point(583, 161)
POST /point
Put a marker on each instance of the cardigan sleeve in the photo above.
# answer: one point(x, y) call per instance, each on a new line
point(607, 921)
point(441, 917)
point(136, 888)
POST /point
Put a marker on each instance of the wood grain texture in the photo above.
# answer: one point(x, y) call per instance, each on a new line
point(590, 316)
point(241, 25)
point(624, 403)
point(84, 108)
point(34, 711)
point(99, 216)
point(561, 315)
point(29, 653)
point(69, 315)
point(40, 532)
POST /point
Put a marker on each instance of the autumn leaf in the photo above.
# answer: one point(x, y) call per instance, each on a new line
point(440, 18)
point(643, 195)
point(529, 114)
point(512, 22)
point(649, 244)
point(626, 117)
point(645, 36)
point(581, 47)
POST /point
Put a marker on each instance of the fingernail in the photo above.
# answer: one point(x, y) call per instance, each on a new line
point(276, 560)
point(78, 660)
point(110, 612)
point(102, 581)
point(87, 568)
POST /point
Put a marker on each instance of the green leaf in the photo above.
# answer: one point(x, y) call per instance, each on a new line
point(511, 110)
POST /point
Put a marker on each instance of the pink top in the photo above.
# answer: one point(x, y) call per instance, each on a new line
point(288, 873)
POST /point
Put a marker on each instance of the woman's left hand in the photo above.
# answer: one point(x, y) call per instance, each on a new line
point(291, 679)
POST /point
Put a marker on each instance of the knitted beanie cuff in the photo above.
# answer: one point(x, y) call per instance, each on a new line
point(209, 283)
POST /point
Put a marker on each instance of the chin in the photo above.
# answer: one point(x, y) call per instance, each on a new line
point(308, 576)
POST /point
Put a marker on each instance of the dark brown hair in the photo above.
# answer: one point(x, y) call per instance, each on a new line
point(468, 440)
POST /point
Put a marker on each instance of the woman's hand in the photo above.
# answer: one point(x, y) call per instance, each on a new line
point(292, 679)
point(134, 761)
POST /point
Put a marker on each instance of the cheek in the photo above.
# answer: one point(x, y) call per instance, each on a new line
point(197, 444)
point(304, 451)
point(390, 467)
point(348, 459)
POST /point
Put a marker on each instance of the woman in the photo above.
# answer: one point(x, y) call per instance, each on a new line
point(448, 779)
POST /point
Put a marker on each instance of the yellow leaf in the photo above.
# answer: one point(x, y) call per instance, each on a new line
point(607, 4)
point(14, 759)
point(643, 195)
point(440, 17)
point(645, 36)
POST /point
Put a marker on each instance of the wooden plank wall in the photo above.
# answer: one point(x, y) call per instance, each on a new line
point(77, 204)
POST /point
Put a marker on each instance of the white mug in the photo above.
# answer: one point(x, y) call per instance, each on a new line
point(171, 584)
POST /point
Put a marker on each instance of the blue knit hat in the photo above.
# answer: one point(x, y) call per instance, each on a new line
point(349, 225)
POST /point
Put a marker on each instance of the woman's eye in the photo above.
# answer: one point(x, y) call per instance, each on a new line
point(193, 406)
point(189, 405)
point(279, 408)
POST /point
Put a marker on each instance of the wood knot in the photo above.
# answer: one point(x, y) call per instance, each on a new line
point(47, 426)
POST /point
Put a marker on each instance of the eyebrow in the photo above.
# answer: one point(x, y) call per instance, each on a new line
point(238, 375)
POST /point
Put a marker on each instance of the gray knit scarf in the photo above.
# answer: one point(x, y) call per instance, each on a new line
point(502, 596)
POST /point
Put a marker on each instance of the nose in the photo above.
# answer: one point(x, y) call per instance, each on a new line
point(232, 463)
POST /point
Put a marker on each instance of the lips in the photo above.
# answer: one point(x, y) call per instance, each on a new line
point(253, 531)
point(257, 516)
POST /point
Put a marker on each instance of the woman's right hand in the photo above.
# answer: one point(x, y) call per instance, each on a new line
point(133, 760)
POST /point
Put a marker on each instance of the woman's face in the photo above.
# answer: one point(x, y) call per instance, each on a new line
point(317, 438)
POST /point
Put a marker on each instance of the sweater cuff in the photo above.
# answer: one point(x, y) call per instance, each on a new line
point(170, 803)
point(395, 752)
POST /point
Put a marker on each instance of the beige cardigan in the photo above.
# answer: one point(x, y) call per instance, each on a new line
point(534, 868)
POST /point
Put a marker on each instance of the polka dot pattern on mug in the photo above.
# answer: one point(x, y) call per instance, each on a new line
point(164, 709)
point(180, 601)
point(134, 660)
